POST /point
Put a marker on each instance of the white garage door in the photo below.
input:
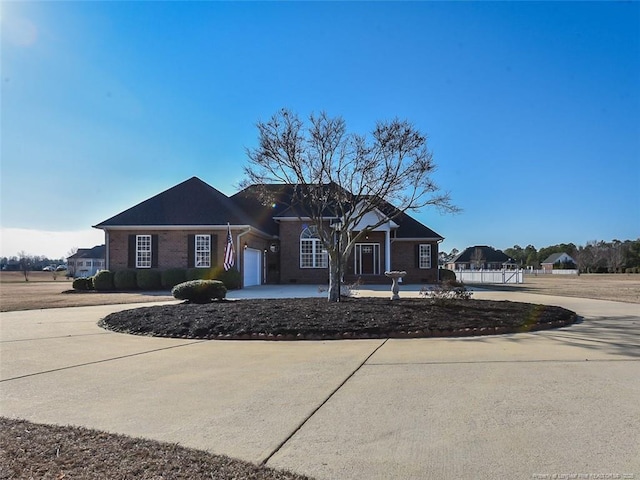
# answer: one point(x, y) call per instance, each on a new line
point(252, 267)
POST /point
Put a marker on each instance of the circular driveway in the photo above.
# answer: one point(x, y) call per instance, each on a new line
point(532, 405)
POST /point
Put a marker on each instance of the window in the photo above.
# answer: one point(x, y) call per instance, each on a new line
point(312, 253)
point(143, 251)
point(424, 256)
point(203, 251)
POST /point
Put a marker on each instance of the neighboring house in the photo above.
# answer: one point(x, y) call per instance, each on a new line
point(186, 227)
point(481, 257)
point(562, 260)
point(86, 262)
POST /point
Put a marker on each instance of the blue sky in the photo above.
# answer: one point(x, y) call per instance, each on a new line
point(532, 110)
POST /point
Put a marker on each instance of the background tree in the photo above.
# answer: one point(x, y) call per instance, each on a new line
point(477, 259)
point(25, 261)
point(337, 175)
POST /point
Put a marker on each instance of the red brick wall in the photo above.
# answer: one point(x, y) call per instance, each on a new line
point(403, 257)
point(173, 246)
point(290, 271)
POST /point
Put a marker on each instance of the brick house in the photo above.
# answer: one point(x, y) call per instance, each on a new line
point(481, 257)
point(186, 227)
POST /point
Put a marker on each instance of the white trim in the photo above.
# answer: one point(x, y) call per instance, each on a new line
point(183, 227)
point(204, 251)
point(239, 250)
point(417, 239)
point(356, 250)
point(387, 251)
point(139, 250)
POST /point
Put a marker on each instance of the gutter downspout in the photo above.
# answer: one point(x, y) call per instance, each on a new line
point(106, 250)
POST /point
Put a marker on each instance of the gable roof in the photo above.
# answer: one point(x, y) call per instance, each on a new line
point(196, 203)
point(489, 255)
point(96, 252)
point(190, 203)
point(408, 227)
point(554, 257)
point(263, 213)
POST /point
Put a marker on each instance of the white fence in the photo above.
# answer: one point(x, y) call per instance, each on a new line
point(490, 276)
point(552, 272)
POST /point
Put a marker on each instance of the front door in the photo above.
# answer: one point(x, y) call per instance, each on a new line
point(367, 259)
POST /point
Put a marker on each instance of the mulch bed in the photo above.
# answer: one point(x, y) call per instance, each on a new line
point(317, 319)
point(31, 450)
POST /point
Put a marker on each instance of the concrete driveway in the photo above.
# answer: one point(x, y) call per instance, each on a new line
point(561, 402)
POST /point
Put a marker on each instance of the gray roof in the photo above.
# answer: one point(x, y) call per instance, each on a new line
point(190, 203)
point(489, 255)
point(554, 257)
point(96, 252)
point(194, 203)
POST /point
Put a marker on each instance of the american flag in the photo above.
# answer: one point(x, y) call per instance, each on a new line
point(228, 250)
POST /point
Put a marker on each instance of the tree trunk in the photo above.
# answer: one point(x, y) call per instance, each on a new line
point(334, 280)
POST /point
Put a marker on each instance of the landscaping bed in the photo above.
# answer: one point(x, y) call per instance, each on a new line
point(317, 319)
point(31, 450)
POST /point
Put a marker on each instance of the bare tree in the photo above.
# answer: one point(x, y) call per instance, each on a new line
point(340, 177)
point(477, 259)
point(25, 260)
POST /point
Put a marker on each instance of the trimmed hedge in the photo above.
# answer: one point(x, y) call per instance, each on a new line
point(199, 274)
point(148, 280)
point(172, 277)
point(125, 280)
point(230, 278)
point(200, 291)
point(103, 281)
point(82, 284)
point(447, 275)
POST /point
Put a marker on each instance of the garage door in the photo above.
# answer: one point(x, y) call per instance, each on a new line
point(252, 267)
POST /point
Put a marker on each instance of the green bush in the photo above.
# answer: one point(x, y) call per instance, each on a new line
point(125, 280)
point(447, 275)
point(103, 281)
point(199, 274)
point(230, 278)
point(81, 284)
point(199, 291)
point(149, 280)
point(90, 285)
point(172, 277)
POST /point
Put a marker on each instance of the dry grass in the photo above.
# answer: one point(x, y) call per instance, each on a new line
point(41, 291)
point(618, 288)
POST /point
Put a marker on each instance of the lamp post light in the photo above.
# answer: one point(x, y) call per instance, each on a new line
point(336, 225)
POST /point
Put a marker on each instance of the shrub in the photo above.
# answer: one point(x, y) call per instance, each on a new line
point(90, 284)
point(148, 279)
point(443, 293)
point(447, 275)
point(199, 291)
point(199, 274)
point(172, 277)
point(125, 280)
point(103, 280)
point(80, 284)
point(230, 278)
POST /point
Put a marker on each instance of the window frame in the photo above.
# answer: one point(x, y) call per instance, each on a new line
point(144, 251)
point(424, 258)
point(312, 252)
point(203, 249)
